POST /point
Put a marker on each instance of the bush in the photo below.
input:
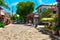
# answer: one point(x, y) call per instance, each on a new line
point(2, 25)
point(57, 27)
point(9, 20)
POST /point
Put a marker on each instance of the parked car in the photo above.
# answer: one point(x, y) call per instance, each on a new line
point(41, 23)
point(6, 23)
point(19, 22)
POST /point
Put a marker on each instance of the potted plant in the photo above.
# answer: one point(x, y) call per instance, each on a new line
point(57, 28)
point(53, 31)
point(56, 25)
point(2, 25)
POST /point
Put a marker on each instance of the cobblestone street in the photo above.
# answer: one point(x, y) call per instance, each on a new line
point(22, 32)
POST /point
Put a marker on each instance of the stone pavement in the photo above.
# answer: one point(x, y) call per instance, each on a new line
point(22, 32)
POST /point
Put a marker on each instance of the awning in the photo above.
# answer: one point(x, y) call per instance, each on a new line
point(30, 16)
point(47, 19)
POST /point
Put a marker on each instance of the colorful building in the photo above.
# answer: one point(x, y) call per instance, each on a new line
point(2, 14)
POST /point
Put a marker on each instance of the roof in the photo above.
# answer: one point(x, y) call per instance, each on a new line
point(30, 15)
point(1, 8)
point(44, 5)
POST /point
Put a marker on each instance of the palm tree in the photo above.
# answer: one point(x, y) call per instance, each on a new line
point(2, 3)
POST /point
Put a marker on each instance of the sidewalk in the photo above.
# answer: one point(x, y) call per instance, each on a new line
point(5, 27)
point(8, 25)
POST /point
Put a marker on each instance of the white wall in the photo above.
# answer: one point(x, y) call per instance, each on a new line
point(2, 12)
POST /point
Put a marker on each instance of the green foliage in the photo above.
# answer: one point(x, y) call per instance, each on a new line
point(46, 13)
point(15, 17)
point(55, 19)
point(9, 20)
point(24, 8)
point(57, 27)
point(2, 3)
point(52, 28)
point(40, 10)
point(2, 25)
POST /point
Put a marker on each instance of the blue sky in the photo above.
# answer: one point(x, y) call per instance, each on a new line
point(37, 3)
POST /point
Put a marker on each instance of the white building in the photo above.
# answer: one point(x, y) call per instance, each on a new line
point(2, 11)
point(44, 7)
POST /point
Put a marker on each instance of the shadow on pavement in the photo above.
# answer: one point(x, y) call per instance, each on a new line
point(18, 23)
point(43, 31)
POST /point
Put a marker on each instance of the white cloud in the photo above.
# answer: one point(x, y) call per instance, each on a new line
point(34, 11)
point(14, 3)
point(53, 3)
point(40, 1)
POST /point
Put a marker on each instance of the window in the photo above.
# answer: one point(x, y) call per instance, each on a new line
point(54, 12)
point(44, 8)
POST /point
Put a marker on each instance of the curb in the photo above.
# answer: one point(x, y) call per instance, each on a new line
point(53, 36)
point(5, 26)
point(56, 37)
point(8, 25)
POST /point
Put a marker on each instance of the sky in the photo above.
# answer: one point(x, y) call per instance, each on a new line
point(13, 3)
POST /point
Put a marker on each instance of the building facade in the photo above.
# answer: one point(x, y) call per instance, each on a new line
point(4, 15)
point(41, 8)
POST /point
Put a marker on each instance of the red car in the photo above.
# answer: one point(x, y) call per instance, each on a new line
point(6, 23)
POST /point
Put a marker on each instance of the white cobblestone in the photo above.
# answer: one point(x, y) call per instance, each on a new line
point(21, 32)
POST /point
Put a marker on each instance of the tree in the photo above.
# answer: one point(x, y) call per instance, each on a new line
point(15, 17)
point(46, 13)
point(24, 8)
point(2, 3)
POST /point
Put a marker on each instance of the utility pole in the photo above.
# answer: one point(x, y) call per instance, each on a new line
point(12, 9)
point(12, 13)
point(58, 6)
